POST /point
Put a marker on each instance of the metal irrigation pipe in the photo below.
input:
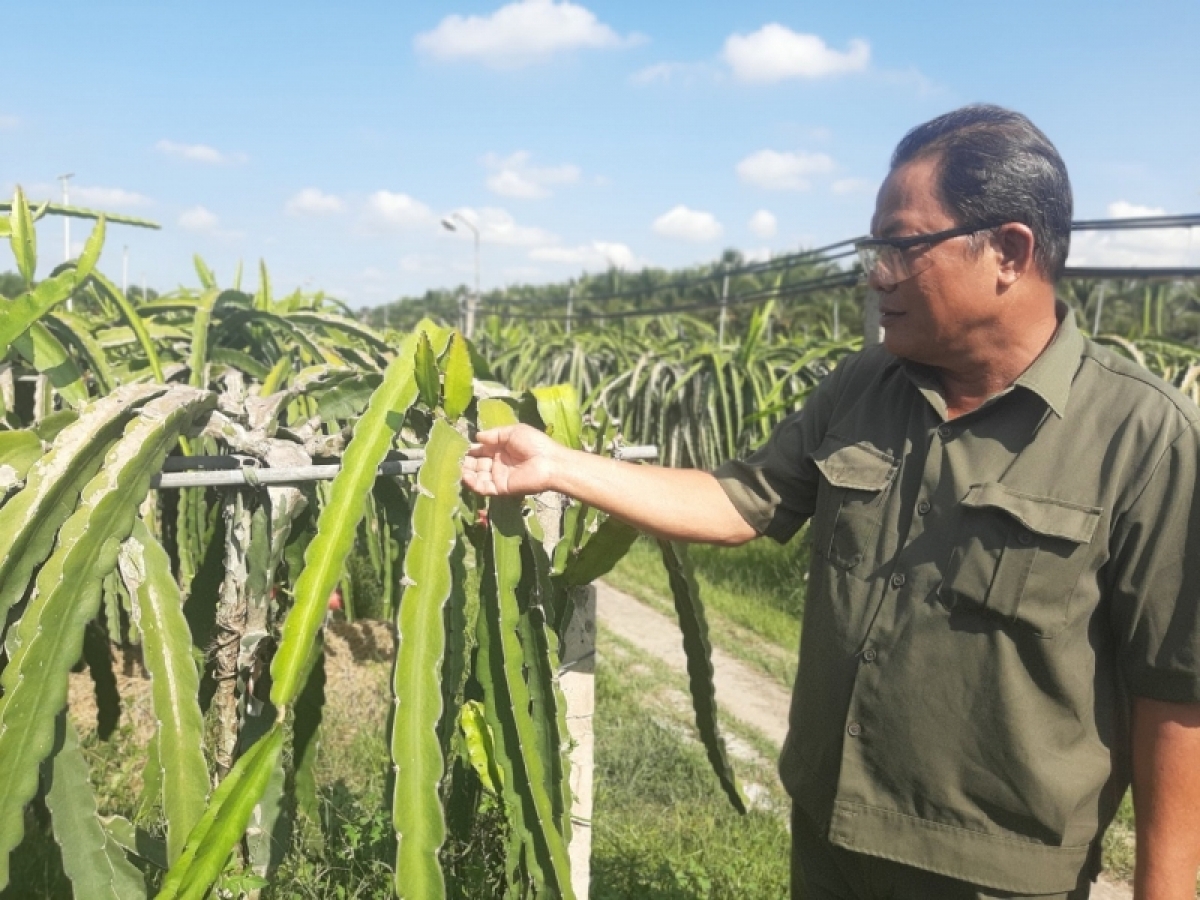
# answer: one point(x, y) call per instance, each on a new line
point(206, 471)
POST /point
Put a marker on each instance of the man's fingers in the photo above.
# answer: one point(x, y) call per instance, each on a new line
point(487, 441)
point(480, 481)
point(476, 463)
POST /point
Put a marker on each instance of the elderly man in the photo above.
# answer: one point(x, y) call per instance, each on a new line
point(1002, 629)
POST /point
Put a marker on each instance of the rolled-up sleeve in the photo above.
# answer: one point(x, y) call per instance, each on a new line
point(775, 488)
point(1156, 596)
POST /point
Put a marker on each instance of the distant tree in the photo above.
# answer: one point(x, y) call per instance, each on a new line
point(135, 294)
point(439, 305)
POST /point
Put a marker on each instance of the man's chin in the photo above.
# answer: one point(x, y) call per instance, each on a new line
point(899, 342)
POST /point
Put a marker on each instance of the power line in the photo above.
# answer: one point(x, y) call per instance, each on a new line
point(823, 255)
point(826, 282)
point(1132, 272)
point(815, 256)
point(1135, 223)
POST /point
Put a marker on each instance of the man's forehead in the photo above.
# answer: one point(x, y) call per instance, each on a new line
point(908, 200)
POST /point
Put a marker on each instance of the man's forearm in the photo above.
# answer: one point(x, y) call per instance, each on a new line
point(681, 504)
point(1166, 797)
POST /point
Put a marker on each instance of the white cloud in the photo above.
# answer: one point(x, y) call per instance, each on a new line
point(1143, 247)
point(776, 53)
point(757, 255)
point(314, 202)
point(397, 210)
point(764, 224)
point(510, 183)
point(661, 73)
point(686, 224)
point(1123, 209)
point(519, 33)
point(658, 72)
point(523, 273)
point(201, 153)
point(850, 186)
point(512, 176)
point(596, 255)
point(9, 122)
point(200, 219)
point(497, 226)
point(777, 171)
point(100, 197)
point(413, 264)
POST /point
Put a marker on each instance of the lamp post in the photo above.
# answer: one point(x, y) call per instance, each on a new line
point(473, 299)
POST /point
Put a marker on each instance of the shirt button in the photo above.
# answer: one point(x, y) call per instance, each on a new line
point(869, 654)
point(854, 729)
point(923, 507)
point(1025, 537)
point(898, 580)
point(944, 431)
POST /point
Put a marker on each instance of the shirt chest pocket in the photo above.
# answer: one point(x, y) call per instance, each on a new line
point(850, 502)
point(1020, 556)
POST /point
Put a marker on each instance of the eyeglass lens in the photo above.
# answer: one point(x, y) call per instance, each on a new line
point(890, 265)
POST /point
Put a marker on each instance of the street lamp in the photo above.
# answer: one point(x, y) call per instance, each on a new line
point(472, 300)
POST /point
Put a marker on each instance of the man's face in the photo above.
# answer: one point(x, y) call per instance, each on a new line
point(938, 316)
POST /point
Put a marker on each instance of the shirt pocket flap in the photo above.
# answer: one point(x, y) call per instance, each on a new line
point(1046, 516)
point(856, 467)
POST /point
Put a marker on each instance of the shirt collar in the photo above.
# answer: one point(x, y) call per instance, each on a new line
point(1049, 376)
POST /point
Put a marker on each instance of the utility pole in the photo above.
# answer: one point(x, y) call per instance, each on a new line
point(1099, 307)
point(472, 300)
point(570, 305)
point(66, 219)
point(724, 303)
point(67, 227)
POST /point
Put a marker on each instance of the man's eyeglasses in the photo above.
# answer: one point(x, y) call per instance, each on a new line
point(890, 260)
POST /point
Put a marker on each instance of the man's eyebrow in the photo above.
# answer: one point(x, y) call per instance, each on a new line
point(891, 229)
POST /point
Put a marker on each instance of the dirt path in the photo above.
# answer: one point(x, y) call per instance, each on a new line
point(742, 693)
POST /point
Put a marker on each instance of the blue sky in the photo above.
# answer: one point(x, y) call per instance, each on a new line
point(330, 140)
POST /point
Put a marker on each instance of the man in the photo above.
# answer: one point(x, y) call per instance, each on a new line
point(1002, 628)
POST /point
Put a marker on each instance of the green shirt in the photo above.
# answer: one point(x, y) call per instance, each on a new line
point(985, 594)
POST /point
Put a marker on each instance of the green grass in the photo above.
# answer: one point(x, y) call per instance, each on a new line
point(1119, 846)
point(753, 594)
point(663, 830)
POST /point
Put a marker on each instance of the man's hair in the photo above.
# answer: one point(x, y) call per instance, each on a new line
point(994, 165)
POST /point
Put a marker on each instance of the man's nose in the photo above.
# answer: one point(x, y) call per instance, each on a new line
point(876, 283)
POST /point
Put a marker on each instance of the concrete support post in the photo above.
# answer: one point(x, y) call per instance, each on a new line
point(579, 688)
point(577, 659)
point(872, 329)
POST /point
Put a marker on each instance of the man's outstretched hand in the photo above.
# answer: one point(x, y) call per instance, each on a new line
point(515, 459)
point(679, 504)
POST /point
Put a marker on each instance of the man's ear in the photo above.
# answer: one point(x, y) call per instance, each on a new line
point(1013, 243)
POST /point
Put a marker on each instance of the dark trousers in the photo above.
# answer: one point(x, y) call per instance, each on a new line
point(821, 871)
